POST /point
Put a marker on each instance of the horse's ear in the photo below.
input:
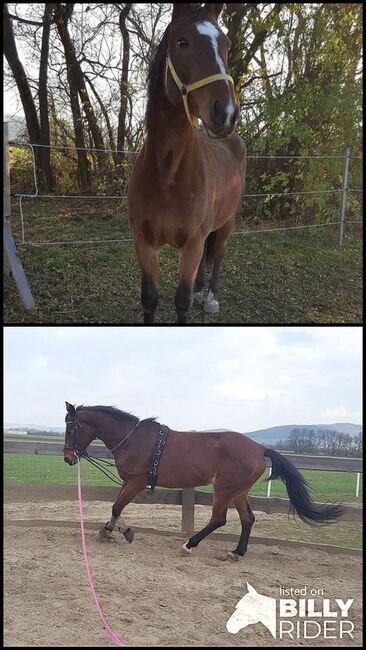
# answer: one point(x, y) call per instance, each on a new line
point(214, 8)
point(70, 408)
point(180, 8)
point(251, 589)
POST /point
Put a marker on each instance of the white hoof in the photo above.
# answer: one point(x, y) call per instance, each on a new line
point(211, 305)
point(234, 557)
point(185, 550)
point(199, 298)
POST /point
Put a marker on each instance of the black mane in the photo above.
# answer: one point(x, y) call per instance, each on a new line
point(114, 412)
point(157, 67)
point(154, 76)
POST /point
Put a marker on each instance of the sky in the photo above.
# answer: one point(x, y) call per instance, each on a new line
point(241, 378)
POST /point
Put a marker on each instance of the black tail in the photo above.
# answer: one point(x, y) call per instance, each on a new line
point(297, 489)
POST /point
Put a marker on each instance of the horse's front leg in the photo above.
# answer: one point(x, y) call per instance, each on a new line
point(127, 493)
point(190, 258)
point(148, 259)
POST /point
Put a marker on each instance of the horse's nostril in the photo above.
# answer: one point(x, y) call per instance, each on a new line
point(218, 113)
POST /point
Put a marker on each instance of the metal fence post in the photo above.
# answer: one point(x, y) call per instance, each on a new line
point(12, 262)
point(347, 154)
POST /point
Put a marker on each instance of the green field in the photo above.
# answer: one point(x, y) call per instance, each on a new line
point(31, 468)
point(298, 276)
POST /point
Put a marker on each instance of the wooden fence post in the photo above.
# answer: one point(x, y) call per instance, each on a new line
point(188, 498)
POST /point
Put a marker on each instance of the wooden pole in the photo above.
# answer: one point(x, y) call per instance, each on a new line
point(188, 495)
point(358, 485)
point(269, 483)
point(347, 154)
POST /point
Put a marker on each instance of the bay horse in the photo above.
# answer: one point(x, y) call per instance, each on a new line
point(187, 182)
point(227, 459)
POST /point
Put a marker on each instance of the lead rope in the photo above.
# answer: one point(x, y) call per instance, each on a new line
point(110, 633)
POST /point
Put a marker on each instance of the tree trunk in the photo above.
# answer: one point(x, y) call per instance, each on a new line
point(30, 111)
point(77, 81)
point(122, 118)
point(45, 153)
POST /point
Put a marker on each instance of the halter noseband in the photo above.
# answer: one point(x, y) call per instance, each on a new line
point(187, 88)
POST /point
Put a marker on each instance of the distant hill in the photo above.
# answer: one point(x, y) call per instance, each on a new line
point(275, 434)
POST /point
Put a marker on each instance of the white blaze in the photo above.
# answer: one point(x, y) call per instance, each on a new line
point(208, 29)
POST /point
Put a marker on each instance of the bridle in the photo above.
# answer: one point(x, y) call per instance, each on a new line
point(152, 468)
point(78, 426)
point(185, 89)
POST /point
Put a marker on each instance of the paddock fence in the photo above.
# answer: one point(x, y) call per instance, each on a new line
point(12, 260)
point(343, 190)
point(186, 498)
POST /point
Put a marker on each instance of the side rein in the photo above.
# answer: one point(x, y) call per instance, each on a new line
point(82, 453)
point(99, 462)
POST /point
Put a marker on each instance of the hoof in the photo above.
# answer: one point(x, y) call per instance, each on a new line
point(211, 305)
point(185, 550)
point(129, 535)
point(104, 533)
point(234, 557)
point(105, 536)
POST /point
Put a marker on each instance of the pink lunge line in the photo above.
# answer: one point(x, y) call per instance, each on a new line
point(111, 634)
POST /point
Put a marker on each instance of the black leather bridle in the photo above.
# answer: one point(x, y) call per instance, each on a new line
point(75, 429)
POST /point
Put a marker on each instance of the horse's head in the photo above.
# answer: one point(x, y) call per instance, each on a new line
point(197, 50)
point(77, 437)
point(253, 608)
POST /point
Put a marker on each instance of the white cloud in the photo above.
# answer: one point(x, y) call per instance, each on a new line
point(242, 391)
point(238, 377)
point(39, 362)
point(340, 414)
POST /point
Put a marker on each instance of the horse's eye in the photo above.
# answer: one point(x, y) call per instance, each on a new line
point(182, 42)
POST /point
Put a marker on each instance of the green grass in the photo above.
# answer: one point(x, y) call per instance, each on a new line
point(324, 486)
point(43, 469)
point(48, 470)
point(292, 277)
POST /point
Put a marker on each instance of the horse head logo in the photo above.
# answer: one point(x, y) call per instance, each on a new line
point(253, 608)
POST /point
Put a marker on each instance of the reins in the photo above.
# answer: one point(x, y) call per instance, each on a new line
point(96, 463)
point(185, 89)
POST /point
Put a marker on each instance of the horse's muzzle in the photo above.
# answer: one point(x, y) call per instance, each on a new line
point(222, 120)
point(70, 459)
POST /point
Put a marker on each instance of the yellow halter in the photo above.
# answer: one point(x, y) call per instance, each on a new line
point(185, 89)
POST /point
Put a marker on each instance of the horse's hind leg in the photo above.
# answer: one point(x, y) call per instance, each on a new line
point(218, 518)
point(247, 519)
point(148, 258)
point(199, 284)
point(216, 254)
